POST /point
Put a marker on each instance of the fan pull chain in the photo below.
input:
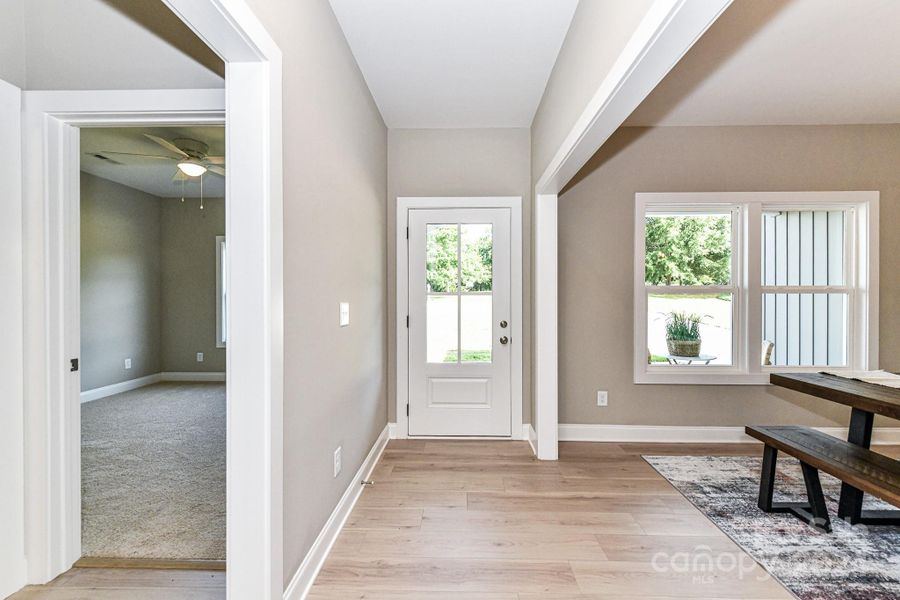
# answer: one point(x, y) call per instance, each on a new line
point(201, 192)
point(182, 191)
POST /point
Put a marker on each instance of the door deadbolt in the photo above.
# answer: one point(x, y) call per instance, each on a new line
point(504, 340)
point(503, 324)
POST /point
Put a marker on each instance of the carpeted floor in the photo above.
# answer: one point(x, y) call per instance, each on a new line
point(153, 473)
point(851, 563)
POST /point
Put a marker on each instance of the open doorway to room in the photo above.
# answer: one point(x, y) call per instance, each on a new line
point(153, 301)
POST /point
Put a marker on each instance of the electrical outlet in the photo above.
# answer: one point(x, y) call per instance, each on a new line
point(337, 461)
point(199, 357)
point(344, 320)
point(602, 398)
point(127, 363)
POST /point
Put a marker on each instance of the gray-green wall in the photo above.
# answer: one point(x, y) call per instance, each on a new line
point(120, 282)
point(189, 284)
point(148, 283)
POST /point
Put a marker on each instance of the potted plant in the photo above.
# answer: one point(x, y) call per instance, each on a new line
point(683, 334)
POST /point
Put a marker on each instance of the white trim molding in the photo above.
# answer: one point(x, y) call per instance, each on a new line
point(531, 435)
point(404, 205)
point(192, 376)
point(118, 388)
point(677, 434)
point(663, 36)
point(305, 576)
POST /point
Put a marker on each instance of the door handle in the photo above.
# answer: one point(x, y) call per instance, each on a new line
point(504, 340)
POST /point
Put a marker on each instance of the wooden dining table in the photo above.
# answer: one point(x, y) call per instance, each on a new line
point(865, 401)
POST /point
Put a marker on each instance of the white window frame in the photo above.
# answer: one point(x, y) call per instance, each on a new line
point(221, 293)
point(861, 281)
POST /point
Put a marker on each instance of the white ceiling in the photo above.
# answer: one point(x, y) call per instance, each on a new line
point(456, 63)
point(150, 175)
point(779, 62)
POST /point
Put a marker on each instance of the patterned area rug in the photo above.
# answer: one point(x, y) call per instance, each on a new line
point(853, 563)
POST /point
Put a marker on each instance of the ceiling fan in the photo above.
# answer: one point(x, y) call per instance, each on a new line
point(191, 156)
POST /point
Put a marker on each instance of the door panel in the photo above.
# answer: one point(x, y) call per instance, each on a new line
point(460, 332)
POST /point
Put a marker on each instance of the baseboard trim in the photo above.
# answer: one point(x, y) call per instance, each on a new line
point(118, 388)
point(192, 376)
point(303, 579)
point(531, 436)
point(572, 432)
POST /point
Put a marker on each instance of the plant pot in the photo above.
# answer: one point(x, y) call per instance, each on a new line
point(683, 347)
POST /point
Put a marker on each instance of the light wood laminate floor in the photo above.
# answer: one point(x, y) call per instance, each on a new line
point(473, 520)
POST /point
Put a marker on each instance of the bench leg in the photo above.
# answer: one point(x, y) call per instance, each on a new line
point(818, 512)
point(767, 478)
point(813, 511)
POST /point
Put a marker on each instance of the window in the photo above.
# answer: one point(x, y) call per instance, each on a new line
point(732, 286)
point(221, 292)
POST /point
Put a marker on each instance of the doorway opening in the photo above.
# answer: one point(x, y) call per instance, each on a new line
point(152, 362)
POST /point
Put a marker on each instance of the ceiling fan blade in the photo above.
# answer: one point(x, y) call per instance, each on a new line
point(167, 145)
point(156, 156)
point(215, 160)
point(216, 170)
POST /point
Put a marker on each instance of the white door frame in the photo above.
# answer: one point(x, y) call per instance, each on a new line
point(514, 203)
point(254, 229)
point(663, 36)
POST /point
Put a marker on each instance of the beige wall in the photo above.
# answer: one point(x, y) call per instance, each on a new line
point(335, 182)
point(120, 282)
point(459, 162)
point(188, 259)
point(12, 42)
point(598, 33)
point(596, 241)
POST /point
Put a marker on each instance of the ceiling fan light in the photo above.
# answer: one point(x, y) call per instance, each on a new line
point(192, 169)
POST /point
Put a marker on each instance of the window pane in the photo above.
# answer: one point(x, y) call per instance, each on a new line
point(442, 258)
point(803, 247)
point(688, 249)
point(476, 332)
point(442, 338)
point(477, 257)
point(804, 330)
point(714, 312)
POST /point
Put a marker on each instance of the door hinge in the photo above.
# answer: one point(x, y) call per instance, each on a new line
point(407, 233)
point(407, 321)
point(407, 410)
point(74, 364)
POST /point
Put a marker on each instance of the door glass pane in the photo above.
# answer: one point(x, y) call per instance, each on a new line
point(476, 334)
point(693, 249)
point(442, 258)
point(804, 330)
point(477, 257)
point(671, 337)
point(442, 318)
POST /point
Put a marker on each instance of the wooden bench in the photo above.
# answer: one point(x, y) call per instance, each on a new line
point(865, 470)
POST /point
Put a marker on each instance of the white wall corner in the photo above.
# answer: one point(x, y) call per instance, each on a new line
point(530, 434)
point(305, 575)
point(118, 388)
point(675, 434)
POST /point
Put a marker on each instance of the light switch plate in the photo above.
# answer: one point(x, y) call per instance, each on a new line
point(345, 314)
point(199, 357)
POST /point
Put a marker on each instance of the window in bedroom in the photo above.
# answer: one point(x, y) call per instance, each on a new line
point(731, 286)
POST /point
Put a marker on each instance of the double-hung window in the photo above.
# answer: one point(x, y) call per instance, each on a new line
point(729, 287)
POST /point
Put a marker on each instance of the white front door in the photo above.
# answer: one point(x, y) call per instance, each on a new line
point(459, 322)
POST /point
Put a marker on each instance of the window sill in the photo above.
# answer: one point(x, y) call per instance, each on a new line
point(686, 375)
